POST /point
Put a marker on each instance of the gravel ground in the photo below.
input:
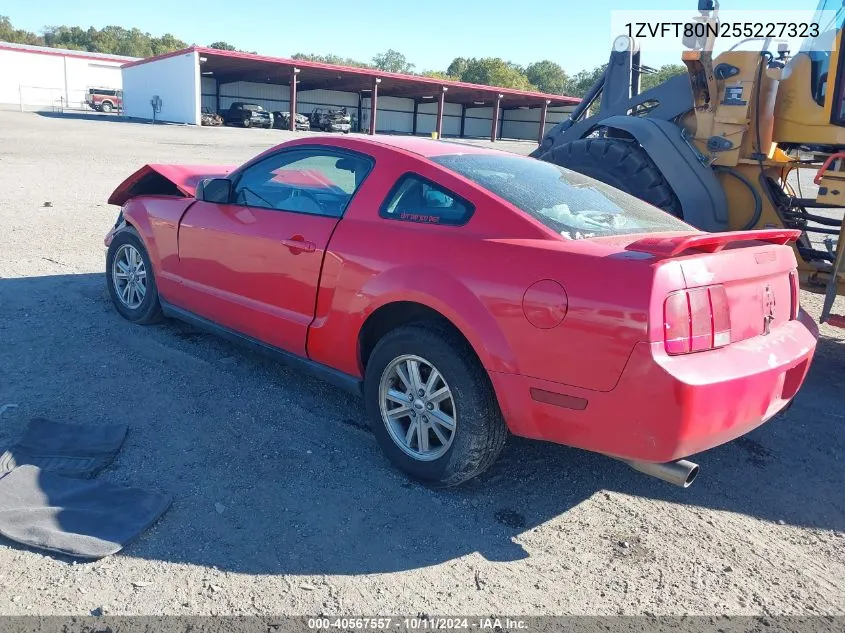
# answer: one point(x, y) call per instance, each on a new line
point(283, 502)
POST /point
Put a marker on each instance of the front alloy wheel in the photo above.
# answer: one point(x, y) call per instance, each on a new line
point(129, 276)
point(417, 407)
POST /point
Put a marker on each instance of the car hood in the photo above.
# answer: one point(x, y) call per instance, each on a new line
point(155, 179)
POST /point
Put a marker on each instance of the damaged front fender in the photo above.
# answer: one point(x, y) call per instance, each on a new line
point(166, 180)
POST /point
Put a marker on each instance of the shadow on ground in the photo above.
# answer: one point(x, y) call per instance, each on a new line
point(98, 116)
point(274, 472)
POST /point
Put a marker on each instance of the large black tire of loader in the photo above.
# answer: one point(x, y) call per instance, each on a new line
point(619, 163)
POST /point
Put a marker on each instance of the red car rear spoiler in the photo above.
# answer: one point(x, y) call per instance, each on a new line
point(709, 242)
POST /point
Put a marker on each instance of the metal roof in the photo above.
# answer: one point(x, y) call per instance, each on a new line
point(64, 52)
point(229, 66)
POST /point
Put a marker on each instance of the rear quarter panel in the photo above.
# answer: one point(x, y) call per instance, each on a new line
point(477, 279)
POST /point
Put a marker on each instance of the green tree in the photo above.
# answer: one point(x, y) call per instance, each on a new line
point(70, 37)
point(222, 46)
point(438, 74)
point(665, 72)
point(115, 40)
point(457, 68)
point(548, 76)
point(330, 59)
point(9, 33)
point(494, 71)
point(167, 43)
point(580, 83)
point(393, 62)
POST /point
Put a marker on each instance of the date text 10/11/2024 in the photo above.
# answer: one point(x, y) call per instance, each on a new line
point(416, 624)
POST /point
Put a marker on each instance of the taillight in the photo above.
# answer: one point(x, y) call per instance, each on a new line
point(795, 290)
point(696, 320)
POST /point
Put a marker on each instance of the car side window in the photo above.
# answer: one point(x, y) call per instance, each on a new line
point(316, 181)
point(416, 199)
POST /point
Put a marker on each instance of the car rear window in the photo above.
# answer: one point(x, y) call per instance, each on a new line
point(569, 203)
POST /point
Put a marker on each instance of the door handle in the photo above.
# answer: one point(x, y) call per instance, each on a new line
point(297, 244)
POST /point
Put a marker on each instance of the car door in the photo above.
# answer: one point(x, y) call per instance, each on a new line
point(253, 265)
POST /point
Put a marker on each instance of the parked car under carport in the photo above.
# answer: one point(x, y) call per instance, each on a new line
point(246, 115)
point(281, 121)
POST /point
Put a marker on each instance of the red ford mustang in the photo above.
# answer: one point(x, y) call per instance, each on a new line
point(466, 293)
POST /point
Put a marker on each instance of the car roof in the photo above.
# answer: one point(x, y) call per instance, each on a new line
point(427, 147)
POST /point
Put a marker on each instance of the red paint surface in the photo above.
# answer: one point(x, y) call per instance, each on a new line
point(185, 177)
point(241, 267)
point(544, 304)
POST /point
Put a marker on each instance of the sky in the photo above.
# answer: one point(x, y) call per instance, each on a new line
point(430, 33)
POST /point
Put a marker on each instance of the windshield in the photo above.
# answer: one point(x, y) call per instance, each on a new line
point(569, 203)
point(830, 16)
point(826, 10)
point(252, 107)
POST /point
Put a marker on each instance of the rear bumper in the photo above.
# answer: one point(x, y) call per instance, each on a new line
point(669, 407)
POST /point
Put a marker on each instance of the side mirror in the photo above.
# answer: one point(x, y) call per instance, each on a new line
point(216, 190)
point(347, 164)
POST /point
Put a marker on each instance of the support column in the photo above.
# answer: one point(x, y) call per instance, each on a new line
point(374, 105)
point(66, 101)
point(441, 103)
point(414, 124)
point(463, 118)
point(293, 82)
point(216, 95)
point(494, 120)
point(544, 109)
point(360, 112)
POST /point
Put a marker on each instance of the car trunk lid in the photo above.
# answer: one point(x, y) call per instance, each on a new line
point(756, 269)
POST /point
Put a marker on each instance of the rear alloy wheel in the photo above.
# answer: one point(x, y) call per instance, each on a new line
point(431, 405)
point(620, 163)
point(247, 123)
point(417, 407)
point(130, 278)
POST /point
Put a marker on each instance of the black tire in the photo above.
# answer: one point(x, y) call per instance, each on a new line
point(106, 107)
point(149, 311)
point(619, 163)
point(480, 429)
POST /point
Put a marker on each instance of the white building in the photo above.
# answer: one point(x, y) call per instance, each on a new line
point(38, 77)
point(186, 82)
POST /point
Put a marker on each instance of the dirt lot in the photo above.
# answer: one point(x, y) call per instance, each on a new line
point(283, 502)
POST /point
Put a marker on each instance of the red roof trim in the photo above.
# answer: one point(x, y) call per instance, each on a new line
point(365, 72)
point(60, 53)
point(156, 58)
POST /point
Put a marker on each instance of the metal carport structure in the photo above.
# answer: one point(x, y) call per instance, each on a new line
point(298, 76)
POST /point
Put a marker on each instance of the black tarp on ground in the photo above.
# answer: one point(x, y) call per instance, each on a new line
point(67, 449)
point(78, 517)
point(49, 501)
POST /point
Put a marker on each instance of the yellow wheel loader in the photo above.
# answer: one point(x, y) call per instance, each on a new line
point(717, 146)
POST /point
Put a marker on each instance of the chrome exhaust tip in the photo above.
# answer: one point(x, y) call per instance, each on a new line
point(678, 473)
